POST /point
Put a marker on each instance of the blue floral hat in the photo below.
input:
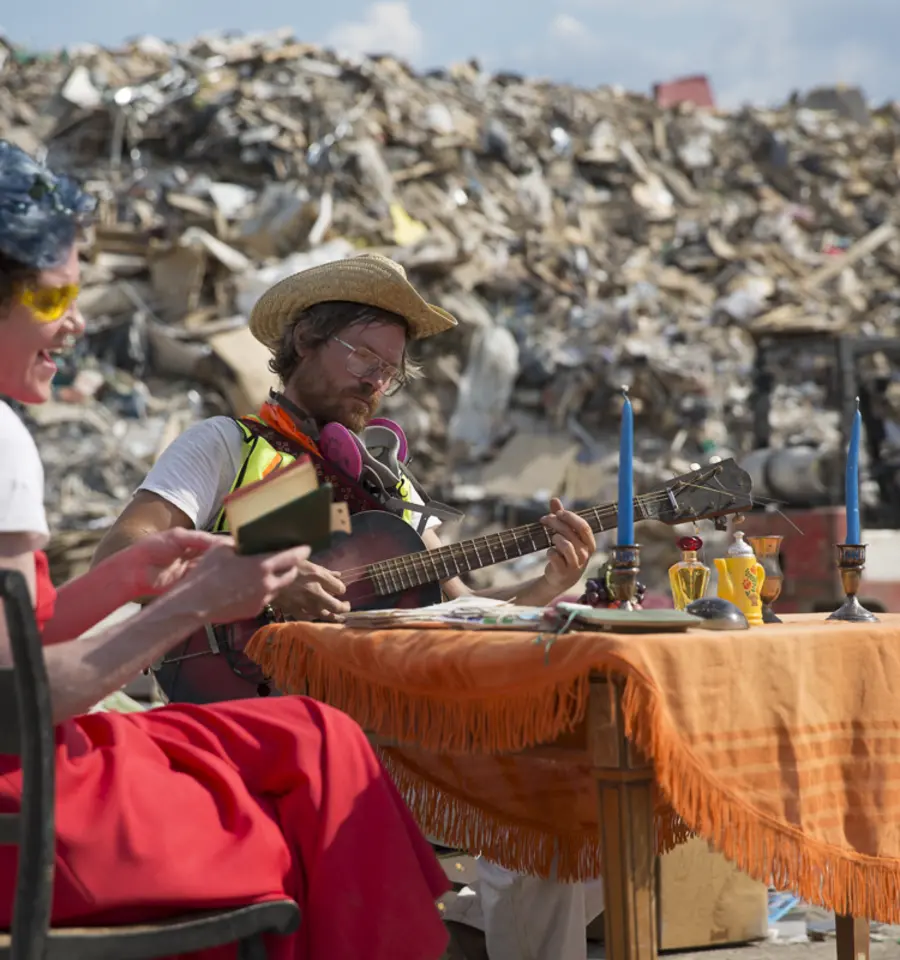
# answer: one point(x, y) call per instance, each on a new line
point(40, 212)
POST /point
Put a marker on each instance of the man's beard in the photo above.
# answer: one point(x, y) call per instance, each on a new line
point(329, 409)
point(355, 416)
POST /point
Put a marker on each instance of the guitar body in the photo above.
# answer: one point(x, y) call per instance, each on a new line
point(377, 536)
point(195, 674)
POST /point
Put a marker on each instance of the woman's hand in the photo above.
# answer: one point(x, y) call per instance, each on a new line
point(223, 586)
point(157, 562)
point(207, 583)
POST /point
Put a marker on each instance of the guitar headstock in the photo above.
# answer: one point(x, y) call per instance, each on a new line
point(707, 493)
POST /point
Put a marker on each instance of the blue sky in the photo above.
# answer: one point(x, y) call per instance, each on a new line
point(754, 51)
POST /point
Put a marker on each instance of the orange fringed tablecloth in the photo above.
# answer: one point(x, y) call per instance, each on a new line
point(780, 745)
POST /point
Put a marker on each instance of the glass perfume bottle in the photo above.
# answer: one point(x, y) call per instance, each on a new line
point(689, 577)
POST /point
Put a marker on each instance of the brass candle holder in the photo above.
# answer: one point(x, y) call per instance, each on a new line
point(851, 560)
point(624, 567)
point(767, 550)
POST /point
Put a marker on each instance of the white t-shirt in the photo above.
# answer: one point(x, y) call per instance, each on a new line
point(198, 469)
point(21, 480)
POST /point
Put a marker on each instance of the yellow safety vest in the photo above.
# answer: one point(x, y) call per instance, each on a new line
point(260, 458)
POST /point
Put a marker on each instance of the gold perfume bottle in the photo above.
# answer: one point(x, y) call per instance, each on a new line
point(689, 577)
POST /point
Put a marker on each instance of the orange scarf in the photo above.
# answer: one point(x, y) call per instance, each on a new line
point(279, 419)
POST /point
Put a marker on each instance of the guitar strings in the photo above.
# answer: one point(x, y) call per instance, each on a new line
point(446, 553)
point(415, 562)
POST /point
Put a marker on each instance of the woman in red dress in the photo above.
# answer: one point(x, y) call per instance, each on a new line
point(181, 808)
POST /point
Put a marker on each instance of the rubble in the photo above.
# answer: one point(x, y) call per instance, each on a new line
point(584, 239)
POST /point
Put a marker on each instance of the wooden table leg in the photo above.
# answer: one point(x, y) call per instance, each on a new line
point(852, 935)
point(629, 858)
point(625, 797)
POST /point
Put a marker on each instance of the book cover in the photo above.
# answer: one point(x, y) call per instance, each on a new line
point(280, 487)
point(304, 520)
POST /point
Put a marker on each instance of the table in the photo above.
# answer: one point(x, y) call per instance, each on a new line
point(625, 804)
point(779, 745)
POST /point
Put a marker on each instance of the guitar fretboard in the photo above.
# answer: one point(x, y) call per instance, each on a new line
point(431, 566)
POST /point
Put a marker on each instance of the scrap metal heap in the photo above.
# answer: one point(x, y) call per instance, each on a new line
point(584, 239)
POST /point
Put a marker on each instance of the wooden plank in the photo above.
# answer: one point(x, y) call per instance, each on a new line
point(629, 862)
point(625, 806)
point(852, 938)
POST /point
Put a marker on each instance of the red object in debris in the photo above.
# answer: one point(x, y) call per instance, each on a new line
point(694, 90)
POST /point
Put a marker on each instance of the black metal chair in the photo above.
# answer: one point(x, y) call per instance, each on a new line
point(26, 729)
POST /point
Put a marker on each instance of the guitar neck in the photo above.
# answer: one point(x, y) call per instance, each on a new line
point(431, 566)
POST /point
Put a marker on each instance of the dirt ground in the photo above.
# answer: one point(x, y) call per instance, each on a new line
point(468, 944)
point(823, 950)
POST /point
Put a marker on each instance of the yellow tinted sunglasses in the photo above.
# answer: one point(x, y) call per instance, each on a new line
point(49, 303)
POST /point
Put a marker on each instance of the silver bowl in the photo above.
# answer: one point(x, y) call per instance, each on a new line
point(717, 614)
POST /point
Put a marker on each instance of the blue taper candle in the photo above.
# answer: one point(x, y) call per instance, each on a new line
point(625, 536)
point(851, 480)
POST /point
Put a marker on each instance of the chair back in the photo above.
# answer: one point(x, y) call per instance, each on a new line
point(26, 730)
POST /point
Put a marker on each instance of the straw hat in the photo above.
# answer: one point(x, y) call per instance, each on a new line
point(370, 279)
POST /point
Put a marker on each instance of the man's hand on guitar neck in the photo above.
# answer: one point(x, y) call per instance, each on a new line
point(573, 546)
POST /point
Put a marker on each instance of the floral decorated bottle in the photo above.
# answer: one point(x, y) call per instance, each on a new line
point(741, 578)
point(689, 577)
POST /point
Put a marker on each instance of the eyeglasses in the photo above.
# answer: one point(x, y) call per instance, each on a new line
point(49, 303)
point(362, 363)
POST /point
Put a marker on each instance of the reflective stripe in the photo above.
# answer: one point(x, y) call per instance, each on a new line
point(404, 490)
point(259, 459)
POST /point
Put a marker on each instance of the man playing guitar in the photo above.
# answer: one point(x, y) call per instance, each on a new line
point(339, 335)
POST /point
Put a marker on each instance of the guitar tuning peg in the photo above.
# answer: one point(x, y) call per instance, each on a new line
point(695, 466)
point(716, 459)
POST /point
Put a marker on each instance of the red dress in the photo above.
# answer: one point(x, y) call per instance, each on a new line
point(192, 808)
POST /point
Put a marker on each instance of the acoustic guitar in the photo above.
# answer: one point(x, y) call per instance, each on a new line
point(384, 563)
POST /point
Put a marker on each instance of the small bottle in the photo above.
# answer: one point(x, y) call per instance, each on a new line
point(689, 577)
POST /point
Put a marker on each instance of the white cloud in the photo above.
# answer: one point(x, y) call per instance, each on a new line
point(569, 35)
point(387, 27)
point(567, 27)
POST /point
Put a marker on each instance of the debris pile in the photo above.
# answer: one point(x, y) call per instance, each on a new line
point(584, 239)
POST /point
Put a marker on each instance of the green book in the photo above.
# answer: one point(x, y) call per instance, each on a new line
point(305, 520)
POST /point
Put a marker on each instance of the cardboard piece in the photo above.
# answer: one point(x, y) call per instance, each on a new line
point(706, 901)
point(248, 360)
point(177, 274)
point(530, 465)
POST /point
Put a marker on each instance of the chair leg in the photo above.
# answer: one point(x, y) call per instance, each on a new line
point(253, 948)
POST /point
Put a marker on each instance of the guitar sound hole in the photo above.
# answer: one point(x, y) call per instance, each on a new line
point(263, 690)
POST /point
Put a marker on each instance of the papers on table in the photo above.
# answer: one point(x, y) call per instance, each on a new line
point(469, 613)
